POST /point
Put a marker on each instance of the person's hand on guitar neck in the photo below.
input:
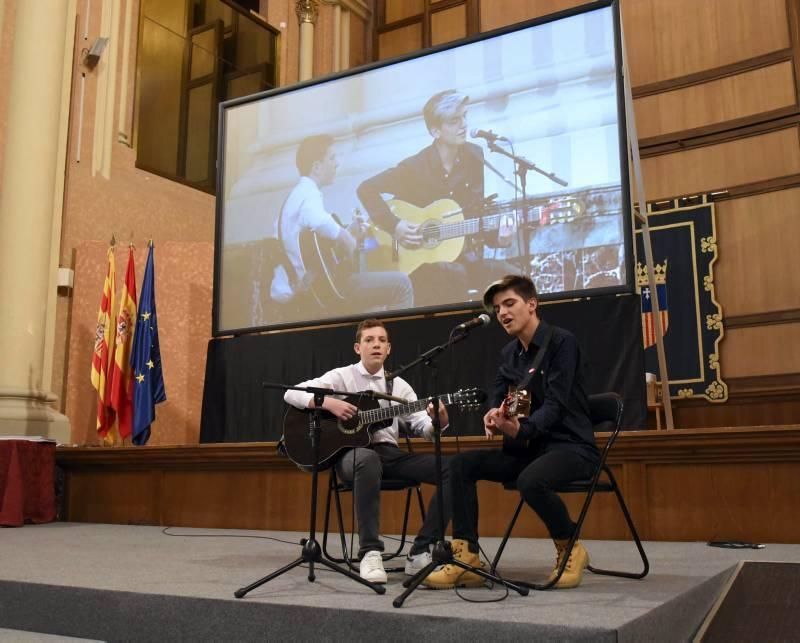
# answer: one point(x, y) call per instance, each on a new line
point(496, 422)
point(407, 234)
point(506, 230)
point(444, 419)
point(359, 225)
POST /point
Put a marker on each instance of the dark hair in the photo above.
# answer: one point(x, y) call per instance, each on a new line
point(370, 323)
point(520, 284)
point(311, 150)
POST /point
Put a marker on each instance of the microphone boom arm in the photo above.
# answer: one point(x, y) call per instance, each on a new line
point(523, 164)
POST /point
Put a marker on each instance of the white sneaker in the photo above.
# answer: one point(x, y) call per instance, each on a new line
point(416, 562)
point(371, 567)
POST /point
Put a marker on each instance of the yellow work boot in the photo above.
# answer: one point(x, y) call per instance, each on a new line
point(450, 576)
point(573, 572)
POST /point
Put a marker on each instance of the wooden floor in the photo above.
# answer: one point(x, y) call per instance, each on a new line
point(681, 485)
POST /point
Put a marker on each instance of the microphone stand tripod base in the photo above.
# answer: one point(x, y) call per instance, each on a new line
point(311, 554)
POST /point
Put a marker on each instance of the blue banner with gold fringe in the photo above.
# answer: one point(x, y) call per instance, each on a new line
point(684, 242)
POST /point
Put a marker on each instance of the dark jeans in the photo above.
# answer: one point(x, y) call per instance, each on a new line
point(367, 466)
point(536, 475)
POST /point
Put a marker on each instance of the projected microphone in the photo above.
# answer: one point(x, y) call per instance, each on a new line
point(488, 135)
point(481, 320)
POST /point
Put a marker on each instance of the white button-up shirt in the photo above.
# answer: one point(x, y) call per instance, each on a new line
point(355, 378)
point(303, 210)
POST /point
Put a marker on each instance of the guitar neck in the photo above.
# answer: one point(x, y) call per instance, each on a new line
point(371, 416)
point(484, 223)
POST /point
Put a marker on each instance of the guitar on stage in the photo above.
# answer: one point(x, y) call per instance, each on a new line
point(337, 435)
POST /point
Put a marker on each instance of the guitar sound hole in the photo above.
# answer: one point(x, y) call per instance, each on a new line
point(430, 234)
point(349, 426)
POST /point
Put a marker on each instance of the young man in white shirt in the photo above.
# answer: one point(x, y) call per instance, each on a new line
point(304, 210)
point(383, 457)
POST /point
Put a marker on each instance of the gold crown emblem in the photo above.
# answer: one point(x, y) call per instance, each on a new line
point(659, 270)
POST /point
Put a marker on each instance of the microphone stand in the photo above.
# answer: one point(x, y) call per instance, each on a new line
point(523, 166)
point(442, 552)
point(311, 552)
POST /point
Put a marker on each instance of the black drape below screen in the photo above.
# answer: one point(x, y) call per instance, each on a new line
point(237, 408)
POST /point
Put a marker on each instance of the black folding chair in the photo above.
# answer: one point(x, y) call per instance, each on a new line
point(605, 411)
point(337, 487)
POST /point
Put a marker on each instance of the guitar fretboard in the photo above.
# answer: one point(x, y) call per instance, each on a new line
point(483, 223)
point(386, 412)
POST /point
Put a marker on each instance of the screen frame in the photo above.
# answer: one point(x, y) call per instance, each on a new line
point(627, 287)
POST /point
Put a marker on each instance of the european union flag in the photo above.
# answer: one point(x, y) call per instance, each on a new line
point(148, 382)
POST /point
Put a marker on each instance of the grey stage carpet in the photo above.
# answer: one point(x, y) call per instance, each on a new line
point(116, 582)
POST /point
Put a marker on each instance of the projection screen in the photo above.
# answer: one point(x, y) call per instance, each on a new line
point(408, 186)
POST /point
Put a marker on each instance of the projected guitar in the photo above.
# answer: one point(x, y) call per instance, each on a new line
point(336, 435)
point(327, 264)
point(444, 229)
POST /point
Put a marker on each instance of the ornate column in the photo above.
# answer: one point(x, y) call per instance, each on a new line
point(307, 12)
point(341, 28)
point(27, 198)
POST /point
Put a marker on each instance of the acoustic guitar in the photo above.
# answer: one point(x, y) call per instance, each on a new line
point(328, 265)
point(337, 435)
point(444, 229)
point(517, 403)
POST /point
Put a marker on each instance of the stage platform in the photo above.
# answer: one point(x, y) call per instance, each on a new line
point(118, 582)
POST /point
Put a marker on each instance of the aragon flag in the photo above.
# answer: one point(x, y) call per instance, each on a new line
point(103, 341)
point(121, 380)
point(147, 374)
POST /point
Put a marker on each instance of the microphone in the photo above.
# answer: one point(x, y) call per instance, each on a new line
point(481, 320)
point(489, 135)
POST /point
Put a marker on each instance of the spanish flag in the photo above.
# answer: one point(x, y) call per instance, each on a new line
point(103, 340)
point(121, 380)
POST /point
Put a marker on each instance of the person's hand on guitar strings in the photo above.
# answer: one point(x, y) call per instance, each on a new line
point(407, 234)
point(340, 408)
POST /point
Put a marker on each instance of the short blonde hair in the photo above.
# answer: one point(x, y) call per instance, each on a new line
point(441, 106)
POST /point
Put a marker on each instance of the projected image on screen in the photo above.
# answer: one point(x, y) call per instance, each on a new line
point(416, 184)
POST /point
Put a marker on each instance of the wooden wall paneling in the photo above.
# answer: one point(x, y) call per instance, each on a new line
point(448, 24)
point(756, 239)
point(632, 478)
point(793, 17)
point(399, 41)
point(672, 39)
point(500, 13)
point(360, 48)
point(400, 9)
point(761, 350)
point(766, 408)
point(737, 483)
point(713, 167)
point(754, 92)
point(728, 502)
point(119, 497)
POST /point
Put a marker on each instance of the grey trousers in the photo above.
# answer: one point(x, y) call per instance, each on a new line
point(365, 467)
